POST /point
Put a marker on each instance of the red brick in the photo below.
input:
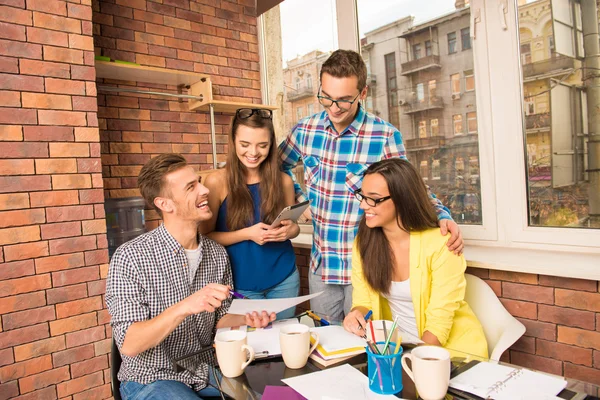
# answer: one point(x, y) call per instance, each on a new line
point(581, 373)
point(520, 308)
point(22, 217)
point(14, 201)
point(46, 36)
point(20, 49)
point(16, 269)
point(68, 293)
point(12, 287)
point(16, 167)
point(11, 132)
point(51, 7)
point(25, 251)
point(23, 335)
point(73, 276)
point(22, 302)
point(155, 125)
point(55, 166)
point(92, 196)
point(6, 357)
point(25, 368)
point(80, 11)
point(102, 242)
point(85, 336)
point(579, 337)
point(538, 329)
point(9, 64)
point(525, 344)
point(125, 148)
point(61, 230)
point(70, 245)
point(73, 355)
point(56, 23)
point(49, 117)
point(39, 348)
point(148, 17)
point(10, 99)
point(44, 379)
point(9, 390)
point(94, 226)
point(19, 235)
point(72, 324)
point(49, 101)
point(564, 352)
point(71, 181)
point(43, 68)
point(73, 213)
point(69, 150)
point(97, 288)
point(566, 316)
point(99, 392)
point(150, 60)
point(77, 307)
point(135, 47)
point(54, 198)
point(578, 299)
point(514, 277)
point(65, 86)
point(18, 116)
point(48, 134)
point(83, 73)
point(536, 362)
point(89, 366)
point(81, 103)
point(81, 42)
point(597, 359)
point(61, 54)
point(80, 384)
point(24, 150)
point(27, 318)
point(48, 393)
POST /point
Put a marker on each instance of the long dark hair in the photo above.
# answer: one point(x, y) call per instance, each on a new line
point(414, 212)
point(240, 209)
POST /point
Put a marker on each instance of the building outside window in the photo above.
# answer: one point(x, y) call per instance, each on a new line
point(465, 38)
point(420, 92)
point(472, 122)
point(299, 111)
point(309, 83)
point(424, 170)
point(469, 81)
point(452, 43)
point(526, 53)
point(459, 167)
point(455, 83)
point(432, 86)
point(422, 129)
point(417, 51)
point(435, 128)
point(310, 108)
point(457, 120)
point(428, 49)
point(436, 172)
point(392, 89)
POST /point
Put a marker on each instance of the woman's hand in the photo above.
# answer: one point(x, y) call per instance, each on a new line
point(355, 323)
point(257, 233)
point(287, 230)
point(261, 320)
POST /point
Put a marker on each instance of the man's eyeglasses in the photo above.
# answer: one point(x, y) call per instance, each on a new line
point(343, 105)
point(244, 113)
point(370, 201)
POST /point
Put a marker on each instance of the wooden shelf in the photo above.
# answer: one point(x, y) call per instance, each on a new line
point(139, 73)
point(229, 107)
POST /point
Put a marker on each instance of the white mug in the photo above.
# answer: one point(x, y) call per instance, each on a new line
point(430, 371)
point(231, 347)
point(294, 340)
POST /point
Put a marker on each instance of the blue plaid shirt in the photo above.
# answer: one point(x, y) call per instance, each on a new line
point(333, 167)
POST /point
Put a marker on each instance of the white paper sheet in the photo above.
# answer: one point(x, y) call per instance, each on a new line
point(264, 341)
point(244, 306)
point(339, 383)
point(334, 338)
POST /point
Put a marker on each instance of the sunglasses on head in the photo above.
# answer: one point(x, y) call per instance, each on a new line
point(244, 113)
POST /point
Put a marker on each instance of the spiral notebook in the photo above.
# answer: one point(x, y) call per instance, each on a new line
point(501, 382)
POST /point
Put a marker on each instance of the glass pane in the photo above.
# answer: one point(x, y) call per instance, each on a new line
point(560, 161)
point(429, 46)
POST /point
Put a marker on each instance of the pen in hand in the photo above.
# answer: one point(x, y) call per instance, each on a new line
point(237, 295)
point(367, 316)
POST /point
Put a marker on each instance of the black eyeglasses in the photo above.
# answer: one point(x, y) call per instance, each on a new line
point(370, 201)
point(343, 105)
point(244, 113)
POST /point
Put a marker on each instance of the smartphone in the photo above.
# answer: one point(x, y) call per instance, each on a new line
point(291, 212)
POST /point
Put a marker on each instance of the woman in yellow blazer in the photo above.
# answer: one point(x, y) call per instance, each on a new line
point(401, 266)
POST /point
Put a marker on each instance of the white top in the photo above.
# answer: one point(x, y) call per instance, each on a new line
point(193, 257)
point(402, 307)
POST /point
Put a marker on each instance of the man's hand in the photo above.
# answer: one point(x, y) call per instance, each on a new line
point(261, 320)
point(456, 243)
point(208, 299)
point(355, 323)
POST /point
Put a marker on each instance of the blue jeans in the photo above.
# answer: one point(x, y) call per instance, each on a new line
point(334, 303)
point(290, 287)
point(166, 390)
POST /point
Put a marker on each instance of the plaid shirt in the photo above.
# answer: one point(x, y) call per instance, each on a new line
point(148, 275)
point(333, 167)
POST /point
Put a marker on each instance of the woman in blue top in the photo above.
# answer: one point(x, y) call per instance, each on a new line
point(245, 198)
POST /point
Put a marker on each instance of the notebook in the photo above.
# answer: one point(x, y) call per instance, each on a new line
point(336, 342)
point(501, 382)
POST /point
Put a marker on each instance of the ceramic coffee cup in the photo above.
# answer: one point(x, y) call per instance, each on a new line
point(294, 340)
point(232, 349)
point(430, 371)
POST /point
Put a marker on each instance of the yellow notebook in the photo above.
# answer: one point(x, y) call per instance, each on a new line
point(336, 342)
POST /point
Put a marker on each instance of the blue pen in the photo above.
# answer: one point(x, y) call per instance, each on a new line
point(237, 295)
point(368, 315)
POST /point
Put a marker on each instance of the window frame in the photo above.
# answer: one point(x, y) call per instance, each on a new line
point(455, 42)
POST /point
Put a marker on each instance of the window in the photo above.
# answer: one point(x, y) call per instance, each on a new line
point(309, 83)
point(459, 167)
point(551, 46)
point(417, 51)
point(310, 108)
point(428, 50)
point(435, 129)
point(474, 166)
point(526, 53)
point(432, 89)
point(298, 83)
point(465, 38)
point(422, 129)
point(420, 92)
point(424, 170)
point(392, 89)
point(458, 124)
point(469, 81)
point(299, 111)
point(455, 83)
point(472, 122)
point(436, 173)
point(452, 42)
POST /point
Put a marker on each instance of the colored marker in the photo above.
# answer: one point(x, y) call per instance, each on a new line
point(237, 295)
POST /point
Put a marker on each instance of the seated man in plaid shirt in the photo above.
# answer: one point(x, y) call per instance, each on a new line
point(167, 291)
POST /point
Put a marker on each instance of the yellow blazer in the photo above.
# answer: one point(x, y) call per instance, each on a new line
point(437, 286)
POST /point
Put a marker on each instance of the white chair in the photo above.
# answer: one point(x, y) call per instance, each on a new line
point(500, 328)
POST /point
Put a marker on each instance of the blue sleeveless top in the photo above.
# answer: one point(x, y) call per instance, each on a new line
point(255, 267)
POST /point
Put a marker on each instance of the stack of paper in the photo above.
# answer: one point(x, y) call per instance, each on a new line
point(336, 342)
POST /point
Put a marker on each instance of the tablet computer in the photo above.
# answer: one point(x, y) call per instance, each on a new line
point(291, 212)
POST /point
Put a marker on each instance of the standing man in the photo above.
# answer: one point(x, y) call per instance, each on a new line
point(167, 291)
point(336, 147)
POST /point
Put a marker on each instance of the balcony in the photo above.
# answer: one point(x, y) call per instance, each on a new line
point(433, 103)
point(421, 64)
point(426, 143)
point(537, 122)
point(299, 94)
point(549, 67)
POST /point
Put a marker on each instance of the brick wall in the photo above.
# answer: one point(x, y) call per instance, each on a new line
point(217, 38)
point(53, 258)
point(562, 317)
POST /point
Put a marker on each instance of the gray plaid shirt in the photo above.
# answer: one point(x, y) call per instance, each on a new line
point(146, 276)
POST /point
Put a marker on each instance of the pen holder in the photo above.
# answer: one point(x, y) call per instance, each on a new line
point(385, 370)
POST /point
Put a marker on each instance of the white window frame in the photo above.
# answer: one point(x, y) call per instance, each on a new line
point(453, 79)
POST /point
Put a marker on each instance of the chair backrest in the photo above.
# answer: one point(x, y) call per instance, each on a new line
point(501, 329)
point(115, 364)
